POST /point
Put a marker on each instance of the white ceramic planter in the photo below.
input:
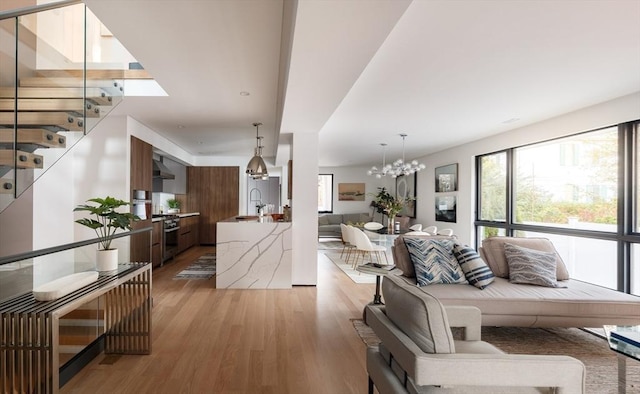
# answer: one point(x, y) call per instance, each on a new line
point(107, 260)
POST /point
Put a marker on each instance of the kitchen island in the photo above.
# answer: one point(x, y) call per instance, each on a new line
point(253, 253)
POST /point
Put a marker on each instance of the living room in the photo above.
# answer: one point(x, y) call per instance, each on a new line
point(314, 338)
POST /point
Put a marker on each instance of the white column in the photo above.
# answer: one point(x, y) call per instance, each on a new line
point(304, 206)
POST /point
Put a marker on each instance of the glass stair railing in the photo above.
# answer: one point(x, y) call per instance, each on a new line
point(54, 87)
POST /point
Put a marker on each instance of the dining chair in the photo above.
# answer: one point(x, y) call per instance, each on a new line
point(347, 242)
point(416, 227)
point(364, 247)
point(433, 230)
point(445, 231)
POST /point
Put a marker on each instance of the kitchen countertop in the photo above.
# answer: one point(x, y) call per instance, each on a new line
point(187, 214)
point(248, 219)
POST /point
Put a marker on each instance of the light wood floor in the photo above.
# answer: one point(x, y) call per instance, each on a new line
point(242, 341)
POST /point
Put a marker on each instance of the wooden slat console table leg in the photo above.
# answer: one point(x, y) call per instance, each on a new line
point(29, 330)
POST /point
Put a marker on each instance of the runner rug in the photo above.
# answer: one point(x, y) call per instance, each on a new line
point(593, 351)
point(203, 268)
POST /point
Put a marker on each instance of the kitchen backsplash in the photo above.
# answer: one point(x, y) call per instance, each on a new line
point(159, 201)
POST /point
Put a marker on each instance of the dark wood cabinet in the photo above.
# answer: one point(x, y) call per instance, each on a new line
point(215, 193)
point(188, 233)
point(157, 243)
point(141, 179)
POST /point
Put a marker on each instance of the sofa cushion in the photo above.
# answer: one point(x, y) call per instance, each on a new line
point(531, 266)
point(493, 248)
point(434, 262)
point(334, 219)
point(420, 316)
point(323, 220)
point(401, 257)
point(475, 269)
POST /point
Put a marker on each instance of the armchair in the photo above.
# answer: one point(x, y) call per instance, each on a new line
point(418, 353)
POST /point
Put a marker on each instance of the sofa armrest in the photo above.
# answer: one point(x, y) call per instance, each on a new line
point(467, 317)
point(564, 372)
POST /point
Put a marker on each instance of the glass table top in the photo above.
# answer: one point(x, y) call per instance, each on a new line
point(620, 346)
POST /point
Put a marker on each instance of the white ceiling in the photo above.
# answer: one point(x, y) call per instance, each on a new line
point(361, 72)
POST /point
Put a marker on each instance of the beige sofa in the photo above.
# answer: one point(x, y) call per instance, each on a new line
point(503, 303)
point(418, 353)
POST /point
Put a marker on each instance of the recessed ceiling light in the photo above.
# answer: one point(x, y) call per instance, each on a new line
point(512, 120)
point(244, 93)
point(181, 126)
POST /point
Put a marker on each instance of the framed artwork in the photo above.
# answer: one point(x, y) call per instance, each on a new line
point(447, 178)
point(351, 191)
point(446, 209)
point(406, 188)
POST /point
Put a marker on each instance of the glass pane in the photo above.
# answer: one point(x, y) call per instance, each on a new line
point(635, 269)
point(325, 193)
point(493, 187)
point(572, 182)
point(486, 232)
point(587, 259)
point(637, 175)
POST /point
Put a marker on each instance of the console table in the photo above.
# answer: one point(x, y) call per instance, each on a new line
point(29, 329)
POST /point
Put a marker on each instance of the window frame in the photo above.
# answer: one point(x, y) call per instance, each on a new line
point(331, 193)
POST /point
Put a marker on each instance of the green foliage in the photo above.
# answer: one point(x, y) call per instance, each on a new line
point(173, 203)
point(385, 203)
point(107, 220)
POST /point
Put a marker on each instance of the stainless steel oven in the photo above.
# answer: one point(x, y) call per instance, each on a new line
point(171, 225)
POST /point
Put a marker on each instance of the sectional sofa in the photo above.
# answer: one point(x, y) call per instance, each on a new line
point(503, 303)
point(329, 224)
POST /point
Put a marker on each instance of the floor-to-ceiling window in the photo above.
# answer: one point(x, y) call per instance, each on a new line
point(580, 191)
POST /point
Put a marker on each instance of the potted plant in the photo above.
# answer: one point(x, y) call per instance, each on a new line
point(174, 205)
point(105, 223)
point(384, 202)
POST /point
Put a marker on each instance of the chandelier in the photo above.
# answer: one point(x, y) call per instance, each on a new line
point(257, 169)
point(398, 167)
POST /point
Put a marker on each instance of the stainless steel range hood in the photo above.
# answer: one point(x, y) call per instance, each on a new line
point(161, 171)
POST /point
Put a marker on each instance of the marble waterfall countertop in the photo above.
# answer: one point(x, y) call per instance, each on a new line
point(253, 253)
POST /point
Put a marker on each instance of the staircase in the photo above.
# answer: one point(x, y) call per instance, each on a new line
point(48, 108)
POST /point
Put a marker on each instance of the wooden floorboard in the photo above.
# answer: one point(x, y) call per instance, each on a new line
point(207, 340)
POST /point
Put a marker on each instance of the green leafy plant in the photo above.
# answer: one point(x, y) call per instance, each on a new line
point(384, 202)
point(173, 203)
point(107, 220)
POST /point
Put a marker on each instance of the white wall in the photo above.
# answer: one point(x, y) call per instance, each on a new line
point(356, 175)
point(620, 110)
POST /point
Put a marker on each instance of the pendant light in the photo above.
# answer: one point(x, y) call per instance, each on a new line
point(398, 167)
point(257, 169)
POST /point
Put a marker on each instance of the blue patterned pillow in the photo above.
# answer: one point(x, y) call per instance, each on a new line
point(475, 269)
point(531, 266)
point(434, 262)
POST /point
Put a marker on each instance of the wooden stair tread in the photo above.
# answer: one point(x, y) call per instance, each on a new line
point(96, 74)
point(75, 105)
point(57, 120)
point(26, 159)
point(41, 137)
point(44, 82)
point(95, 95)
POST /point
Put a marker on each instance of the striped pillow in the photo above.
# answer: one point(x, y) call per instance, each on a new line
point(475, 269)
point(434, 262)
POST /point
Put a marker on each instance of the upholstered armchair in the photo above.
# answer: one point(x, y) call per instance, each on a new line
point(418, 353)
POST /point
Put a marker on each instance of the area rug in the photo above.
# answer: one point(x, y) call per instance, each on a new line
point(330, 244)
point(203, 268)
point(593, 351)
point(357, 277)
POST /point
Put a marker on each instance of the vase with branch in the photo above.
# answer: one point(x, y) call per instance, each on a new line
point(389, 205)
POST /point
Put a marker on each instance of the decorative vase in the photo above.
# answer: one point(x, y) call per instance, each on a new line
point(392, 220)
point(107, 259)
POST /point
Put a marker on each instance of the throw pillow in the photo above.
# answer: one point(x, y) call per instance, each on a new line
point(323, 220)
point(475, 269)
point(434, 262)
point(531, 266)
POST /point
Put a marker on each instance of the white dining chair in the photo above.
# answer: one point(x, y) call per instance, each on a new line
point(433, 230)
point(446, 231)
point(416, 227)
point(347, 242)
point(364, 247)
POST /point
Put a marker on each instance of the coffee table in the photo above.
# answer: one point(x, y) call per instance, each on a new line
point(625, 352)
